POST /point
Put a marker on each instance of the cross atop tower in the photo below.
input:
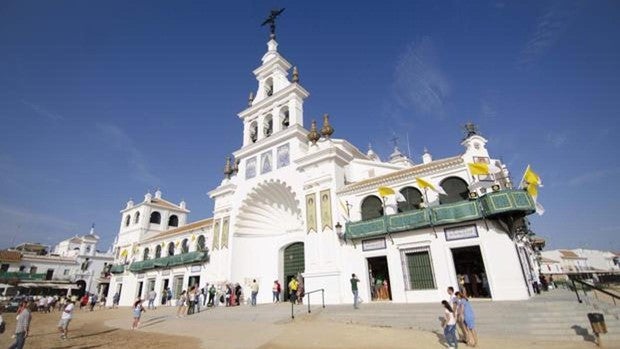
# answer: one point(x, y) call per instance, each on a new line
point(394, 140)
point(271, 20)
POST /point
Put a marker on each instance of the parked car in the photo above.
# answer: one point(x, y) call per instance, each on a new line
point(12, 305)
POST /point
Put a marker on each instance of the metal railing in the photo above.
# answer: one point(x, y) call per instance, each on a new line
point(583, 284)
point(322, 290)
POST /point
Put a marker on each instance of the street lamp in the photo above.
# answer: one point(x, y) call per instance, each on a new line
point(339, 232)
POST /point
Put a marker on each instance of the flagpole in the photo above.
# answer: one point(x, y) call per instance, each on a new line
point(428, 207)
point(523, 178)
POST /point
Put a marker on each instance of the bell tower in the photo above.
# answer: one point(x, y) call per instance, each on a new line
point(277, 103)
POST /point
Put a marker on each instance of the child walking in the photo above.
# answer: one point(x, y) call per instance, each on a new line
point(138, 309)
point(449, 325)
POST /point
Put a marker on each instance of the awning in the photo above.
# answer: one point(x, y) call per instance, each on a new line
point(60, 286)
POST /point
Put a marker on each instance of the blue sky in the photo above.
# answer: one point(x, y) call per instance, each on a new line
point(100, 102)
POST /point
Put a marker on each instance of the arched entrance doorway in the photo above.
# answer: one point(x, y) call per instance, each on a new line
point(294, 263)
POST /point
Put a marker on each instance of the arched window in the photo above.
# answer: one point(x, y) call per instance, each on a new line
point(155, 218)
point(253, 132)
point(372, 207)
point(413, 197)
point(145, 254)
point(268, 125)
point(127, 219)
point(456, 188)
point(171, 249)
point(136, 218)
point(284, 117)
point(158, 251)
point(269, 87)
point(200, 244)
point(184, 246)
point(173, 221)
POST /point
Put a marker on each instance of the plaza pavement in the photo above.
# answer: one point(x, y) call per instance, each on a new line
point(552, 316)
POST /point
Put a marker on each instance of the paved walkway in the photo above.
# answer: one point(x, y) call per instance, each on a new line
point(553, 316)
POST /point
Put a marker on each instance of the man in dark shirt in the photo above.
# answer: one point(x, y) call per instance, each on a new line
point(354, 282)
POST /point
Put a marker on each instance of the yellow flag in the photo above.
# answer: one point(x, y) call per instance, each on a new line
point(385, 191)
point(193, 237)
point(124, 253)
point(532, 189)
point(531, 177)
point(478, 168)
point(423, 184)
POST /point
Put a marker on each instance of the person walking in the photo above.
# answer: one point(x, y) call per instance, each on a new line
point(354, 281)
point(300, 291)
point(455, 304)
point(115, 299)
point(191, 300)
point(468, 319)
point(182, 309)
point(276, 288)
point(164, 297)
point(169, 296)
point(138, 309)
point(212, 292)
point(152, 297)
point(65, 318)
point(93, 301)
point(254, 288)
point(292, 287)
point(22, 327)
point(449, 325)
point(200, 299)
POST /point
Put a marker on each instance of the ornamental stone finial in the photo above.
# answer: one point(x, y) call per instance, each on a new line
point(228, 171)
point(295, 74)
point(327, 130)
point(236, 166)
point(313, 135)
point(250, 99)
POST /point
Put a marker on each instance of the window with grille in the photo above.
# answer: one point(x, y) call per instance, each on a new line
point(419, 275)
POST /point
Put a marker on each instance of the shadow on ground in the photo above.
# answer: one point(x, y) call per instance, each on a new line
point(583, 332)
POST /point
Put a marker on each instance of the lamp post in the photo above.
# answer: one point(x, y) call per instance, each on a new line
point(340, 233)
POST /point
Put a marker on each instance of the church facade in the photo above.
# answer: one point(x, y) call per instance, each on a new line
point(298, 202)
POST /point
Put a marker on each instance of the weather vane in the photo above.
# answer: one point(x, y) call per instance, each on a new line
point(470, 129)
point(271, 20)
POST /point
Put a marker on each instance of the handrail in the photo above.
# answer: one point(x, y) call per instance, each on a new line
point(322, 290)
point(583, 283)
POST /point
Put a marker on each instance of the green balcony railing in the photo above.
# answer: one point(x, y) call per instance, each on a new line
point(504, 202)
point(170, 261)
point(117, 269)
point(21, 275)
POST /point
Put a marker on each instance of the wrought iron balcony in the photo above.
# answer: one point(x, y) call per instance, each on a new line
point(170, 261)
point(21, 276)
point(492, 205)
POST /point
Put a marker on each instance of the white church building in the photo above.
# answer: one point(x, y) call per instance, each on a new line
point(298, 202)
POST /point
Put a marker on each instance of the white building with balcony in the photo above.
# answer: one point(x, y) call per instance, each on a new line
point(73, 264)
point(298, 202)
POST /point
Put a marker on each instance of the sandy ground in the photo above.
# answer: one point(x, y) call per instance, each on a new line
point(87, 331)
point(110, 328)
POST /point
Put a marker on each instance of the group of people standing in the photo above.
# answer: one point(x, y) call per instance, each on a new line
point(459, 313)
point(296, 291)
point(24, 316)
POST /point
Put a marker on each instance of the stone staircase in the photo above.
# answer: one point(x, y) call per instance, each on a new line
point(555, 315)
